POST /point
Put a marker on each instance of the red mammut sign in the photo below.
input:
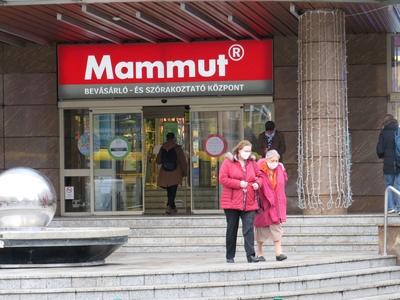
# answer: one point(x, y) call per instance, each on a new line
point(169, 69)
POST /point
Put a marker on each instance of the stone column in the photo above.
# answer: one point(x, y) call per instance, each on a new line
point(323, 150)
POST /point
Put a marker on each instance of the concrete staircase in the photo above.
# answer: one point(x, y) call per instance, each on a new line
point(330, 257)
point(156, 199)
point(207, 233)
point(324, 277)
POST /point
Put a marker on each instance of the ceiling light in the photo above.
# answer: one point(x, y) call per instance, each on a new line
point(240, 25)
point(11, 40)
point(23, 34)
point(161, 26)
point(200, 16)
point(88, 28)
point(121, 25)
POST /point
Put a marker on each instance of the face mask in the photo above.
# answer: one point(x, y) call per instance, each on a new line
point(272, 165)
point(244, 154)
point(268, 134)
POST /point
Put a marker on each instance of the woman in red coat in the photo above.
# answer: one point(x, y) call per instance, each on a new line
point(239, 177)
point(272, 213)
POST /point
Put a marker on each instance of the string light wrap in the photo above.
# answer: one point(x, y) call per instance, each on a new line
point(323, 138)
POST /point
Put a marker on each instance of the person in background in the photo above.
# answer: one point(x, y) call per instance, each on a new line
point(271, 139)
point(386, 149)
point(173, 168)
point(239, 177)
point(269, 218)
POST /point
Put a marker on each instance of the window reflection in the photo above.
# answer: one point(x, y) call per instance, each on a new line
point(255, 116)
point(396, 64)
point(76, 139)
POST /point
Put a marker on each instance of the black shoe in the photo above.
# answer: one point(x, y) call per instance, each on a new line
point(281, 257)
point(230, 260)
point(261, 258)
point(252, 259)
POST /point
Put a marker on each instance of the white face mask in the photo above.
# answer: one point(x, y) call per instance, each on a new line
point(244, 154)
point(272, 165)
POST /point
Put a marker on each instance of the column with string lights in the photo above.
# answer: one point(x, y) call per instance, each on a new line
point(324, 160)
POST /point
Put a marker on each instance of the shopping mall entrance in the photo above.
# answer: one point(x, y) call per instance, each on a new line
point(109, 155)
point(192, 126)
point(158, 121)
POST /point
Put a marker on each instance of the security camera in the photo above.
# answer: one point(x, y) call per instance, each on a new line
point(164, 100)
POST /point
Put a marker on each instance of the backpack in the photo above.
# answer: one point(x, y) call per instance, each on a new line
point(169, 159)
point(397, 146)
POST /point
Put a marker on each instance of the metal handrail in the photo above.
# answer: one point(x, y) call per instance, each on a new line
point(387, 190)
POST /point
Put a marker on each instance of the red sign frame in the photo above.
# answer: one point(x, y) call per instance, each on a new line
point(222, 138)
point(177, 69)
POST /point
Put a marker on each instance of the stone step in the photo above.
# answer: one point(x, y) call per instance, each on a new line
point(332, 276)
point(214, 220)
point(391, 296)
point(217, 273)
point(306, 247)
point(379, 288)
point(288, 239)
point(220, 230)
point(328, 285)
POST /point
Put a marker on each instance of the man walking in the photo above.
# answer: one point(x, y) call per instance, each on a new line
point(386, 149)
point(271, 139)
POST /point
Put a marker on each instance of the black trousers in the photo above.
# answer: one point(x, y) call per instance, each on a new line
point(171, 194)
point(232, 219)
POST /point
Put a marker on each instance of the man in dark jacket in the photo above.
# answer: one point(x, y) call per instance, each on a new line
point(386, 149)
point(271, 139)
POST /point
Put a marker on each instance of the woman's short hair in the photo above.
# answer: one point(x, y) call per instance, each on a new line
point(388, 118)
point(272, 153)
point(240, 146)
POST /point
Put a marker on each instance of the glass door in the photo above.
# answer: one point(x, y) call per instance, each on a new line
point(213, 133)
point(158, 121)
point(116, 163)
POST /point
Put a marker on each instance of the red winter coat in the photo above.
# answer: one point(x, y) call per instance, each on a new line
point(233, 196)
point(273, 200)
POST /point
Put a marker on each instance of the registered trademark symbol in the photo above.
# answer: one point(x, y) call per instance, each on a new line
point(236, 52)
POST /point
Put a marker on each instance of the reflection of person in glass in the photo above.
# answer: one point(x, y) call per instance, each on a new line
point(271, 139)
point(173, 168)
point(239, 176)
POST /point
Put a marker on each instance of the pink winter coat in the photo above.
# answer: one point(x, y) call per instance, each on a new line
point(273, 201)
point(233, 196)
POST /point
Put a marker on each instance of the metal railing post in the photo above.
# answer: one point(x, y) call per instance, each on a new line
point(387, 190)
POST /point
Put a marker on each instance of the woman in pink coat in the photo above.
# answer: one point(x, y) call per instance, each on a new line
point(271, 215)
point(239, 177)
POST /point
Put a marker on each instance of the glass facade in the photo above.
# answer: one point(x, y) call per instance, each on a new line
point(254, 118)
point(76, 139)
point(77, 161)
point(117, 162)
point(395, 63)
point(77, 194)
point(110, 156)
point(205, 168)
